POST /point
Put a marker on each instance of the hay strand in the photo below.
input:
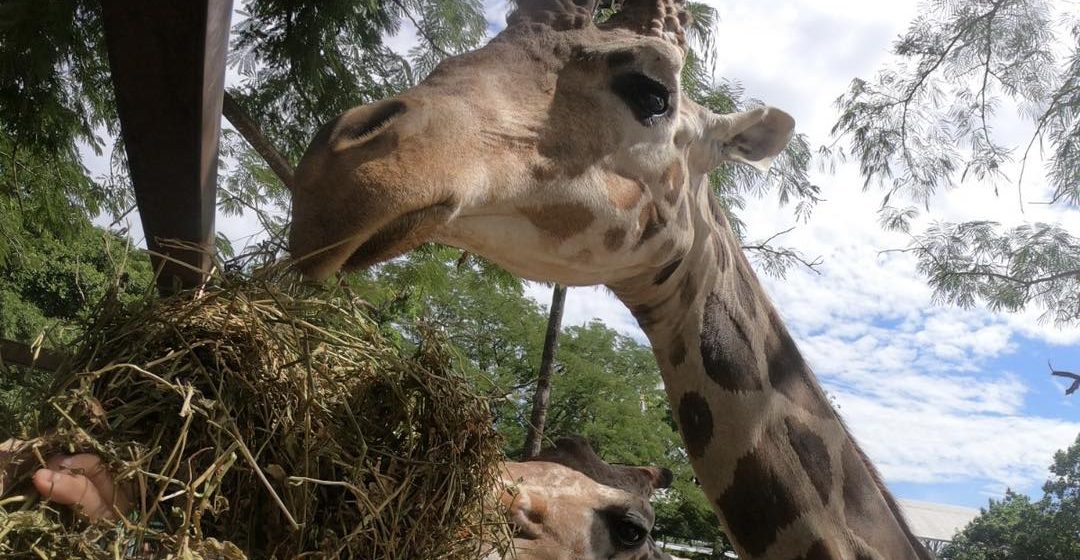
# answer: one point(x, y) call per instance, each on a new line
point(257, 419)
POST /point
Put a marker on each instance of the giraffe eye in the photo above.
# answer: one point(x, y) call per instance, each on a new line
point(629, 534)
point(647, 98)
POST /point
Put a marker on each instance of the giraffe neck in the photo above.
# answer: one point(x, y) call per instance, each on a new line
point(774, 459)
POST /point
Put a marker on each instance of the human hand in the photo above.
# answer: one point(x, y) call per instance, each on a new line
point(80, 481)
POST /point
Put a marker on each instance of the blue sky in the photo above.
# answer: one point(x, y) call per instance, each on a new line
point(952, 405)
point(1044, 399)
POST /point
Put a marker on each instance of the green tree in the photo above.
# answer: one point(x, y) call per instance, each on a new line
point(1016, 528)
point(305, 62)
point(927, 123)
point(54, 265)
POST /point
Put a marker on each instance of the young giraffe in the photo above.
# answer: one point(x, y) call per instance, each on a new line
point(568, 504)
point(565, 152)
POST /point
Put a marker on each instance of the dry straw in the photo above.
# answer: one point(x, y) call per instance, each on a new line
point(260, 418)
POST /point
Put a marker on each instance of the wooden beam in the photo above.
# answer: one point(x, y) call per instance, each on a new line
point(168, 66)
point(24, 355)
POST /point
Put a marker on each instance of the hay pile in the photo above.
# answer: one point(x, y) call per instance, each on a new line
point(253, 418)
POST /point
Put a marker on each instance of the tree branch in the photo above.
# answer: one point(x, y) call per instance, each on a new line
point(250, 130)
point(1015, 280)
point(922, 250)
point(914, 88)
point(764, 247)
point(1040, 124)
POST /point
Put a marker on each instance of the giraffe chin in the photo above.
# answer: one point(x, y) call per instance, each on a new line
point(399, 236)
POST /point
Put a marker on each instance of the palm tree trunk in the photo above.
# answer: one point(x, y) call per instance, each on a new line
point(535, 432)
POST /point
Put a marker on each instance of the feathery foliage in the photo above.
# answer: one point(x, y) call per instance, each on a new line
point(303, 63)
point(927, 123)
point(1032, 263)
point(54, 77)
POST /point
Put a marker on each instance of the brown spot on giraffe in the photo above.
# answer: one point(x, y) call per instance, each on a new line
point(673, 179)
point(857, 487)
point(642, 312)
point(726, 352)
point(624, 193)
point(619, 58)
point(813, 456)
point(757, 504)
point(559, 220)
point(614, 238)
point(688, 290)
point(819, 551)
point(544, 170)
point(696, 423)
point(789, 374)
point(677, 351)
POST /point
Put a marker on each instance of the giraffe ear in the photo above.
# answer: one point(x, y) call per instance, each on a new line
point(659, 477)
point(754, 137)
point(525, 510)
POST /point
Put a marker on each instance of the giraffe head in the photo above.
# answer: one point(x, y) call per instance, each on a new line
point(562, 150)
point(568, 503)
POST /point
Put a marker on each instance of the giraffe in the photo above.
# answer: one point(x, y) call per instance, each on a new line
point(564, 151)
point(567, 503)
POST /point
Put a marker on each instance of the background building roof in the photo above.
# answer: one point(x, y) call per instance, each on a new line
point(936, 521)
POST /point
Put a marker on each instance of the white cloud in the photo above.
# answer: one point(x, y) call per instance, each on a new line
point(924, 445)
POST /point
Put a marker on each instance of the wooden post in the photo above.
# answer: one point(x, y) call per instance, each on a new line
point(168, 67)
point(27, 356)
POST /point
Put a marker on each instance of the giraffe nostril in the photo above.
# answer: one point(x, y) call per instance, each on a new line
point(371, 120)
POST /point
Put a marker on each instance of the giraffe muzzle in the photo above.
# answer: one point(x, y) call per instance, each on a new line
point(363, 192)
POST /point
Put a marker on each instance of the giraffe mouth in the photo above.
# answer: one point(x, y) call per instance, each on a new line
point(398, 237)
point(395, 238)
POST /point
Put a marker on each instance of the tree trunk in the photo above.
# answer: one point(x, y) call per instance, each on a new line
point(535, 432)
point(249, 129)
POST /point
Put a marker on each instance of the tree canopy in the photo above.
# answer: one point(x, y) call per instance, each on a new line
point(1018, 528)
point(927, 122)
